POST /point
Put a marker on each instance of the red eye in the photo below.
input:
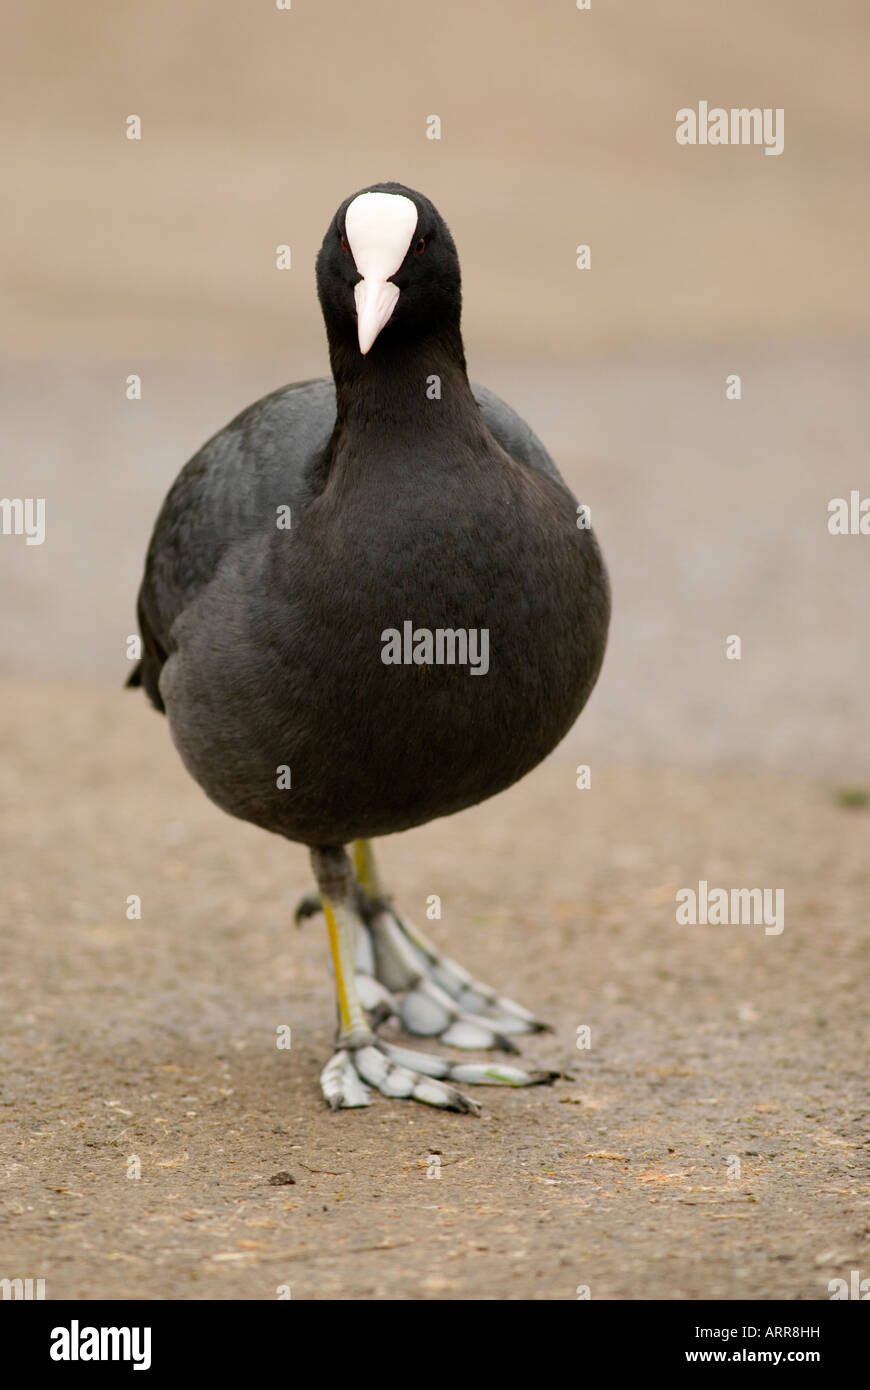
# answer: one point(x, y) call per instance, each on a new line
point(420, 247)
point(344, 245)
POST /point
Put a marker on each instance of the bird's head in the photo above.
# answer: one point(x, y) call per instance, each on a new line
point(388, 272)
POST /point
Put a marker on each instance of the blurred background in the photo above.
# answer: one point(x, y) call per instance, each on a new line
point(157, 257)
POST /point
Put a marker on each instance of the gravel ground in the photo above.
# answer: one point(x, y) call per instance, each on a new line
point(710, 1143)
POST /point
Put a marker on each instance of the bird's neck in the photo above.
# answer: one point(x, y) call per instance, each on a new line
point(416, 388)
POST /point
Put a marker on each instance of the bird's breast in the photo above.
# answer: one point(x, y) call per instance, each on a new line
point(404, 658)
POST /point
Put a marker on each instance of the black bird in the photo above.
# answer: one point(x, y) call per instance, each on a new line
point(369, 602)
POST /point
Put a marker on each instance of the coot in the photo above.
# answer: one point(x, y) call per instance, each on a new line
point(370, 601)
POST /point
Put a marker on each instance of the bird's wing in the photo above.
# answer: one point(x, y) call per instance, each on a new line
point(266, 458)
point(231, 489)
point(512, 433)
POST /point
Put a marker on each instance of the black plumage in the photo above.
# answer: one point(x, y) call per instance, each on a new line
point(412, 497)
point(264, 644)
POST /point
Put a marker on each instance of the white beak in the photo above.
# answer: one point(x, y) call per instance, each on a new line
point(379, 227)
point(375, 301)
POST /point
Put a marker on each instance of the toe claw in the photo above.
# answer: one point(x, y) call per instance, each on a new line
point(342, 1085)
point(466, 1073)
point(393, 1079)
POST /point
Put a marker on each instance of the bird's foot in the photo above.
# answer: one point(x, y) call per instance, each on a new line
point(401, 974)
point(386, 969)
point(397, 1071)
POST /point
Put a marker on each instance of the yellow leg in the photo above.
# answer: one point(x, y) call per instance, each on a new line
point(353, 1021)
point(366, 870)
